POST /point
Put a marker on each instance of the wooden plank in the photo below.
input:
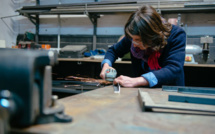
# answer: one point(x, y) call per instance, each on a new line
point(145, 100)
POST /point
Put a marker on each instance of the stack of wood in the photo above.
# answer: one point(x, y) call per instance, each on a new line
point(89, 80)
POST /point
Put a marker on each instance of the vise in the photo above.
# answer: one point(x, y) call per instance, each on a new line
point(26, 88)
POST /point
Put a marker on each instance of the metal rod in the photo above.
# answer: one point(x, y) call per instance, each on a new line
point(93, 18)
point(37, 29)
point(94, 32)
point(2, 18)
point(189, 99)
point(9, 16)
point(199, 4)
point(38, 2)
point(59, 33)
point(190, 90)
point(200, 91)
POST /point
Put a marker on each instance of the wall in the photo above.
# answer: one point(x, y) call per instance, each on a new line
point(7, 29)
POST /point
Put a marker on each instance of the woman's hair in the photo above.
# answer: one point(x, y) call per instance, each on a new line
point(149, 25)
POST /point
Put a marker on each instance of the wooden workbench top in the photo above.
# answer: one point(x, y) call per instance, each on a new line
point(103, 112)
point(126, 62)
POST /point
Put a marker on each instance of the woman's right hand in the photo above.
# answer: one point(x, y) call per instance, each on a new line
point(105, 67)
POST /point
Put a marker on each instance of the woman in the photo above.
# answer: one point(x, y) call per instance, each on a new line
point(157, 51)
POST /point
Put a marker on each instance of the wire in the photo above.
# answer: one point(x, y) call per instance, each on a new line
point(2, 18)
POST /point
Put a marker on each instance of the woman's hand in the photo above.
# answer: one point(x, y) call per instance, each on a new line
point(126, 81)
point(105, 67)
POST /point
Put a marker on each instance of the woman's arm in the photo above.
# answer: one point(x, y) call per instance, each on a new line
point(115, 51)
point(126, 81)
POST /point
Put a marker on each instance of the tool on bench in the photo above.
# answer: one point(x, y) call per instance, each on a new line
point(147, 104)
point(190, 90)
point(110, 75)
point(26, 88)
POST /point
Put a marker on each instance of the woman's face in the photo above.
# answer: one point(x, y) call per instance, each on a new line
point(137, 42)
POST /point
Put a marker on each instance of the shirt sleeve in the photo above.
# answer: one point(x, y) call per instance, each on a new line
point(151, 78)
point(106, 61)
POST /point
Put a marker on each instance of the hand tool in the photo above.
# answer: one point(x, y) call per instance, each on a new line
point(26, 87)
point(110, 75)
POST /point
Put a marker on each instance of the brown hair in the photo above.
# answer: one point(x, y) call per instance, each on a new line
point(147, 23)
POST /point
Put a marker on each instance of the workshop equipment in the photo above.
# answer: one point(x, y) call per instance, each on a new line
point(110, 75)
point(206, 40)
point(46, 46)
point(147, 104)
point(26, 87)
point(4, 117)
point(73, 51)
point(192, 50)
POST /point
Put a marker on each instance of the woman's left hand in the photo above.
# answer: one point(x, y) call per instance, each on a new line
point(126, 81)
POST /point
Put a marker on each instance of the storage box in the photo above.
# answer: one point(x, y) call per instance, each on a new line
point(72, 51)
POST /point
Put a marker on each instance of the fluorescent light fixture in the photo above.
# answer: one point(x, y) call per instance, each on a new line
point(65, 16)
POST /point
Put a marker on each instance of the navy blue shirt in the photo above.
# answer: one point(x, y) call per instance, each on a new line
point(171, 60)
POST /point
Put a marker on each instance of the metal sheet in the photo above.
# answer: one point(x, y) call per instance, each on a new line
point(147, 104)
point(189, 99)
point(190, 90)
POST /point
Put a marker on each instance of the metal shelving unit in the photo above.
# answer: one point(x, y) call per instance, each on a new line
point(94, 9)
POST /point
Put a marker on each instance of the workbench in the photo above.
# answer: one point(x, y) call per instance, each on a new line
point(103, 112)
point(88, 59)
point(200, 75)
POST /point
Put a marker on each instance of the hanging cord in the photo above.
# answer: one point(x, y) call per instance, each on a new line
point(2, 18)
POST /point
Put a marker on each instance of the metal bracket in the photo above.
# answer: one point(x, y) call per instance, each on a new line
point(32, 19)
point(93, 18)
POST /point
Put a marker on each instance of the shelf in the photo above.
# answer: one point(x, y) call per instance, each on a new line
point(88, 59)
point(94, 9)
point(166, 6)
